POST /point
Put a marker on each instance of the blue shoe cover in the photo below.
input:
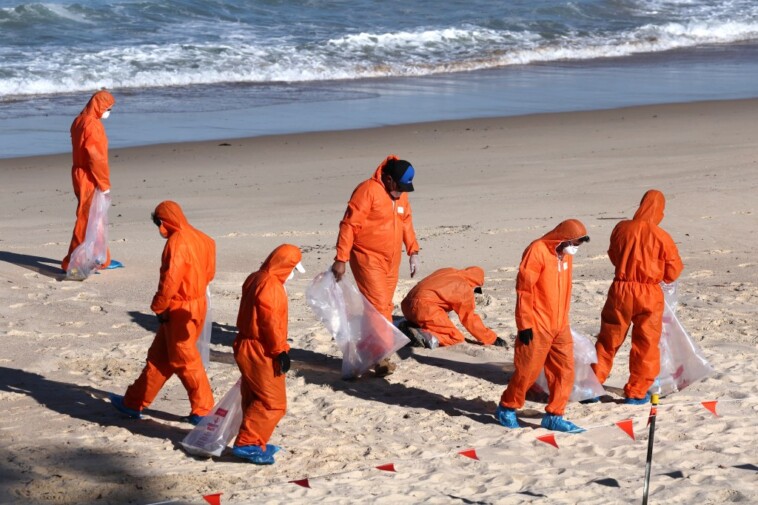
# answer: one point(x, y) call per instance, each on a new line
point(272, 449)
point(507, 417)
point(193, 419)
point(253, 454)
point(558, 423)
point(114, 264)
point(118, 402)
point(637, 401)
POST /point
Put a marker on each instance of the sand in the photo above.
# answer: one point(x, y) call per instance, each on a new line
point(485, 189)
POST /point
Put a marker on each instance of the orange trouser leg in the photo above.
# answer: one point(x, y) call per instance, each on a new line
point(377, 284)
point(429, 317)
point(529, 361)
point(264, 395)
point(559, 372)
point(185, 325)
point(645, 356)
point(614, 325)
point(174, 351)
point(84, 189)
point(157, 371)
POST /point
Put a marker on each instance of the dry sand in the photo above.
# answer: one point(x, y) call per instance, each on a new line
point(485, 189)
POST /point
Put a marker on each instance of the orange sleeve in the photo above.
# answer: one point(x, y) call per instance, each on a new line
point(211, 261)
point(357, 210)
point(673, 263)
point(96, 145)
point(271, 319)
point(612, 248)
point(528, 274)
point(173, 268)
point(409, 234)
point(472, 322)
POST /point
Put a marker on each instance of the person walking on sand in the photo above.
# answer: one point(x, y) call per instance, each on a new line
point(644, 255)
point(90, 169)
point(188, 266)
point(376, 224)
point(543, 300)
point(427, 304)
point(262, 353)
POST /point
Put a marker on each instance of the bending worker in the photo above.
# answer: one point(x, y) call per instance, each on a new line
point(89, 170)
point(261, 351)
point(375, 226)
point(188, 266)
point(543, 300)
point(427, 305)
point(644, 256)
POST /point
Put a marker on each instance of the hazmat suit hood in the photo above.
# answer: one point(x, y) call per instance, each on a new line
point(281, 261)
point(171, 216)
point(99, 103)
point(474, 276)
point(570, 229)
point(378, 172)
point(651, 207)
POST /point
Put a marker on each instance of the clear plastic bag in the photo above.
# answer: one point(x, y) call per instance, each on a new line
point(213, 434)
point(204, 340)
point(364, 336)
point(682, 362)
point(93, 252)
point(586, 385)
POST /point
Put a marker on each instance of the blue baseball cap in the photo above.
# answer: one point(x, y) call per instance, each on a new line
point(402, 173)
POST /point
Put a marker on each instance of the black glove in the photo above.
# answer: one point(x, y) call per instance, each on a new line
point(162, 317)
point(525, 336)
point(282, 363)
point(499, 342)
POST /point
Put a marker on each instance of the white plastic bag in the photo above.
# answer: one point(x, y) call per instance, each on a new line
point(364, 336)
point(93, 252)
point(586, 385)
point(682, 362)
point(204, 340)
point(211, 436)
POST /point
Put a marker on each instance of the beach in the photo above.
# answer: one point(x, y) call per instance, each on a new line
point(485, 188)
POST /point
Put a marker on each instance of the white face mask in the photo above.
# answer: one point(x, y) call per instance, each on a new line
point(299, 268)
point(105, 114)
point(571, 249)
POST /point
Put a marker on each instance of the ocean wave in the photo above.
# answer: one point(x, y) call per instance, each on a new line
point(356, 56)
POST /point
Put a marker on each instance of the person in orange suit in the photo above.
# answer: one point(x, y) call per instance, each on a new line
point(428, 303)
point(89, 170)
point(376, 224)
point(644, 255)
point(543, 300)
point(188, 266)
point(262, 353)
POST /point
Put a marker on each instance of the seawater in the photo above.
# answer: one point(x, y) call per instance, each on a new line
point(222, 68)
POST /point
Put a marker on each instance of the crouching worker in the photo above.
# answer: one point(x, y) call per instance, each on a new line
point(188, 265)
point(427, 305)
point(543, 298)
point(261, 351)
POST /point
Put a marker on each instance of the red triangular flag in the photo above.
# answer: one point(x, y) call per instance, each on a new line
point(213, 499)
point(653, 413)
point(711, 406)
point(627, 427)
point(469, 453)
point(389, 467)
point(548, 439)
point(301, 482)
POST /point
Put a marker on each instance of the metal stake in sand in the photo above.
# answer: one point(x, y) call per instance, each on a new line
point(649, 464)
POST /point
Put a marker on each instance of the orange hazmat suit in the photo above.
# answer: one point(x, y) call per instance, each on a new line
point(262, 326)
point(372, 233)
point(89, 170)
point(644, 256)
point(188, 266)
point(543, 300)
point(447, 289)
